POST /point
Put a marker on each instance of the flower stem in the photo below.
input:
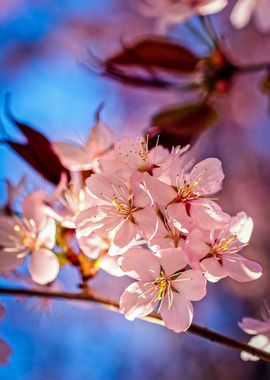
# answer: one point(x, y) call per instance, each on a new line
point(153, 318)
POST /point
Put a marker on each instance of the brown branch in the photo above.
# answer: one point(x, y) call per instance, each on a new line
point(153, 318)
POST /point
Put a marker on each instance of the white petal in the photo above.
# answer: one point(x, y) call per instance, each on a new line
point(43, 266)
point(261, 342)
point(47, 233)
point(241, 13)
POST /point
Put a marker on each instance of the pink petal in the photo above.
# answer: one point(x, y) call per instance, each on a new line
point(140, 264)
point(178, 316)
point(158, 155)
point(34, 207)
point(161, 193)
point(137, 300)
point(177, 212)
point(147, 222)
point(100, 139)
point(254, 326)
point(110, 265)
point(241, 269)
point(125, 234)
point(43, 266)
point(11, 260)
point(196, 247)
point(209, 176)
point(214, 270)
point(132, 150)
point(172, 260)
point(192, 284)
point(73, 157)
point(208, 214)
point(96, 217)
point(93, 245)
point(107, 187)
point(141, 197)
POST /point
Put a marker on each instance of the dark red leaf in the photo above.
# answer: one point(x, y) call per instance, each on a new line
point(37, 151)
point(156, 53)
point(180, 125)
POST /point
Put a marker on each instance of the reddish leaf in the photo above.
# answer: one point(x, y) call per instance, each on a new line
point(180, 125)
point(156, 53)
point(37, 151)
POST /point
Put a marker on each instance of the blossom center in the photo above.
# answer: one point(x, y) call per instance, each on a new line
point(222, 246)
point(186, 191)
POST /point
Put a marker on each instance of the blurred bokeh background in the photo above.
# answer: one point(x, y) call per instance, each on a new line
point(44, 64)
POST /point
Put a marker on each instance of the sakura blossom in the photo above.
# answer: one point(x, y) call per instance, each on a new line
point(187, 194)
point(127, 212)
point(148, 214)
point(245, 10)
point(261, 330)
point(34, 233)
point(132, 154)
point(97, 246)
point(170, 12)
point(216, 252)
point(72, 200)
point(84, 157)
point(163, 284)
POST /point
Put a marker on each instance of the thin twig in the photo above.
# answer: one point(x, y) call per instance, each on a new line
point(153, 318)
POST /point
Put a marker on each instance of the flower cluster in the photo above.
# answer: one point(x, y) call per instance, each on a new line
point(146, 213)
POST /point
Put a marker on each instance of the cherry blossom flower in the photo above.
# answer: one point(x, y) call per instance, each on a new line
point(244, 10)
point(127, 212)
point(96, 246)
point(84, 157)
point(170, 12)
point(168, 235)
point(188, 192)
point(73, 200)
point(34, 233)
point(261, 330)
point(216, 252)
point(132, 154)
point(162, 284)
